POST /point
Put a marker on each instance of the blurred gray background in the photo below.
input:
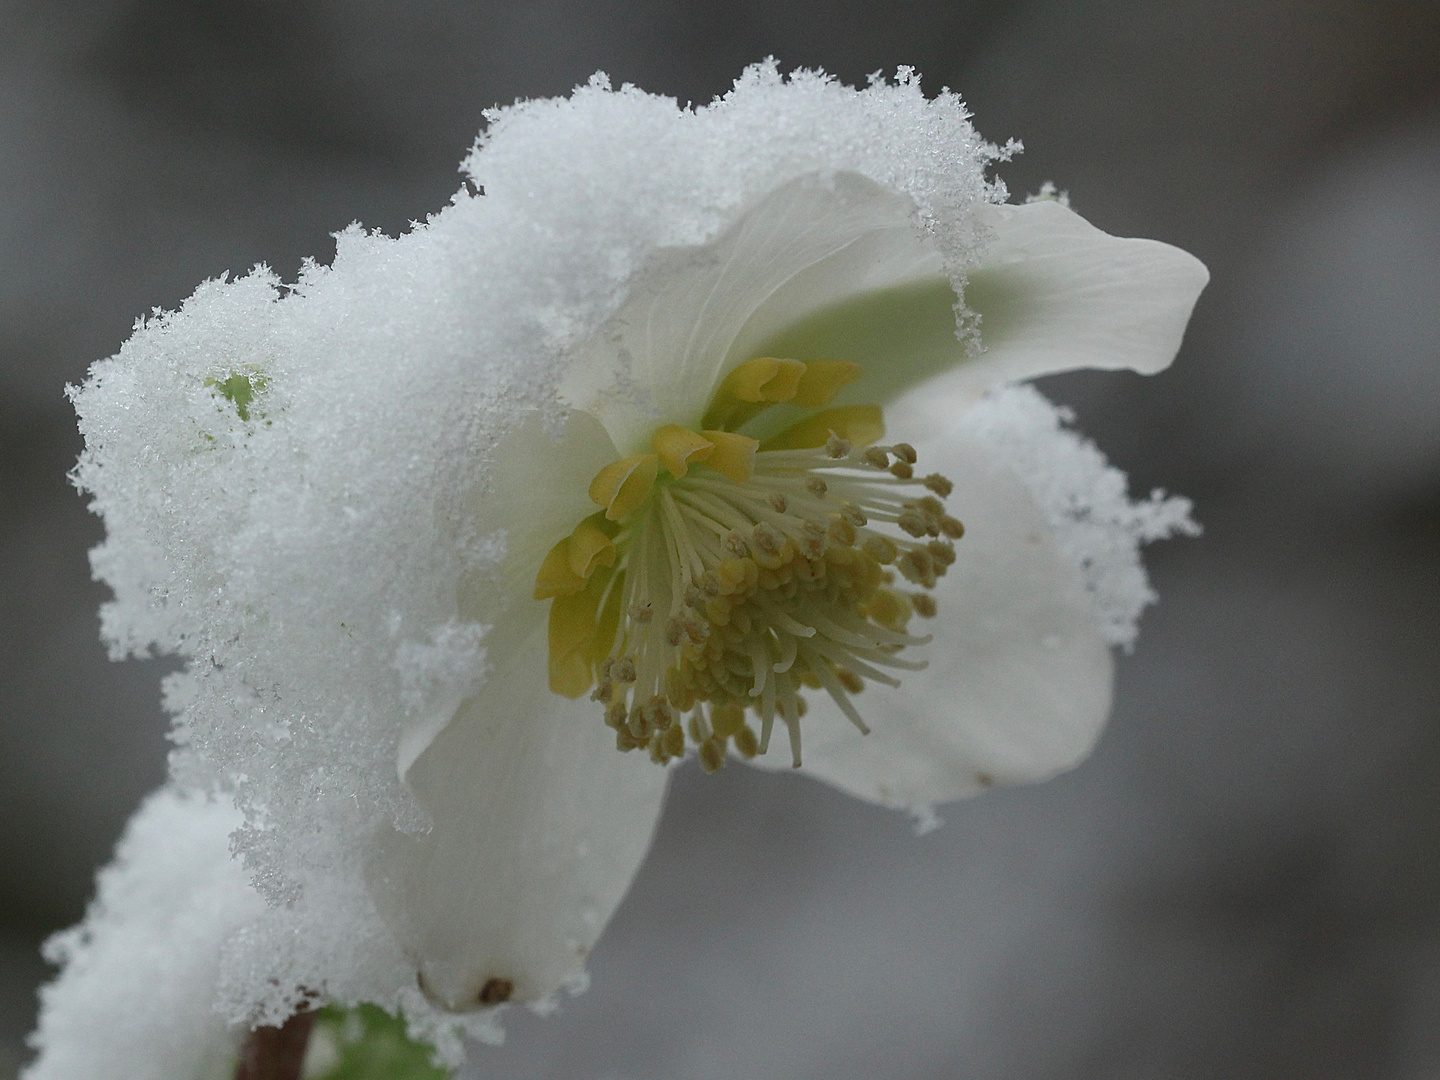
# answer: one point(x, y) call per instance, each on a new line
point(1244, 881)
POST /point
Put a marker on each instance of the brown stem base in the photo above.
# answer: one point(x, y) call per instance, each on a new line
point(271, 1053)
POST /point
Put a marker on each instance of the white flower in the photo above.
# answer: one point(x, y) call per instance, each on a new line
point(641, 377)
point(539, 823)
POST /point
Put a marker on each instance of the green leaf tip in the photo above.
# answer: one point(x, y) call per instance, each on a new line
point(366, 1043)
point(239, 389)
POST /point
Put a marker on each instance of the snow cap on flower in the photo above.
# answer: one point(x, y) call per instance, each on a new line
point(352, 502)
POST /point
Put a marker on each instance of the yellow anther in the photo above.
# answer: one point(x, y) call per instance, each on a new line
point(556, 578)
point(623, 485)
point(736, 575)
point(726, 720)
point(892, 609)
point(912, 520)
point(717, 611)
point(768, 541)
point(734, 456)
point(590, 547)
point(641, 723)
point(711, 754)
point(860, 425)
point(881, 548)
point(841, 531)
point(939, 485)
point(698, 730)
point(734, 545)
point(822, 381)
point(678, 448)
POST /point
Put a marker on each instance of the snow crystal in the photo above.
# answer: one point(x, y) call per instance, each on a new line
point(1049, 193)
point(283, 472)
point(1084, 500)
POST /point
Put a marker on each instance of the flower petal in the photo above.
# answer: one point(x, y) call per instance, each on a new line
point(539, 825)
point(1019, 680)
point(1054, 293)
point(694, 312)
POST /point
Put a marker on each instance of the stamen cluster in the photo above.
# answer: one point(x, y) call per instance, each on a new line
point(745, 576)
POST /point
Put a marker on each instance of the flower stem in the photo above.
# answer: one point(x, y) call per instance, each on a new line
point(271, 1053)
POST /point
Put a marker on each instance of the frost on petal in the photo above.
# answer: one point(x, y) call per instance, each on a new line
point(539, 825)
point(1018, 685)
point(135, 999)
point(1054, 293)
point(1095, 524)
